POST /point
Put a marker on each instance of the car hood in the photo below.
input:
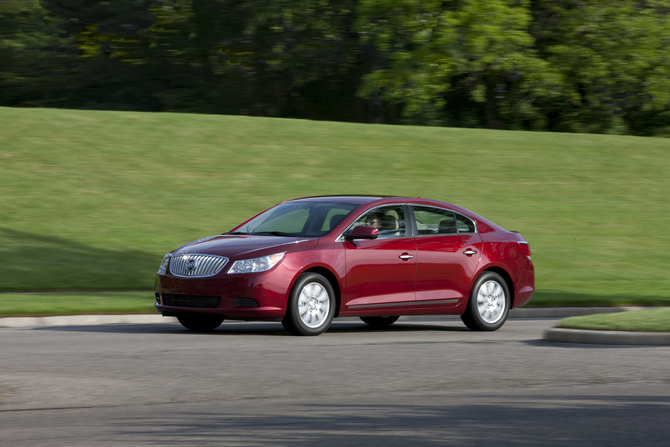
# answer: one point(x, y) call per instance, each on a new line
point(237, 246)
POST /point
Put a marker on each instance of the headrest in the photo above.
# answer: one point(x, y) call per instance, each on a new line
point(336, 219)
point(447, 226)
point(388, 222)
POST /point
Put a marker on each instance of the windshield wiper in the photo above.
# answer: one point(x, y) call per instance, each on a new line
point(274, 233)
point(236, 232)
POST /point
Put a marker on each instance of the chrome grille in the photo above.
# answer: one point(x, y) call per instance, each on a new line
point(171, 299)
point(196, 266)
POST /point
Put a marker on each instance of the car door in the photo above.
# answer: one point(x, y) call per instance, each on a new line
point(380, 273)
point(448, 251)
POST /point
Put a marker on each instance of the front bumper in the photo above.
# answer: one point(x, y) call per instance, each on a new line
point(237, 293)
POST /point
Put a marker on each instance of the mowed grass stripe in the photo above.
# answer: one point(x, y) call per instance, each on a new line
point(92, 200)
point(648, 320)
point(75, 303)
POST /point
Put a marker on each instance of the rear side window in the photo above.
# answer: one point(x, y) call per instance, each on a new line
point(465, 225)
point(435, 221)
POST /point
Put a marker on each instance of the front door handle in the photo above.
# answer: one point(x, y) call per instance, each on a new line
point(405, 256)
point(470, 252)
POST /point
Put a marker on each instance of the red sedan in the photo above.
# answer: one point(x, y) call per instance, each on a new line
point(306, 261)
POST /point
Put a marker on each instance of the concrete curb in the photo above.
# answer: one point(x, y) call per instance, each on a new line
point(83, 320)
point(94, 320)
point(607, 337)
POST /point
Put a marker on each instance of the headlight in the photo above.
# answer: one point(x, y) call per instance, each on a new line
point(164, 264)
point(256, 264)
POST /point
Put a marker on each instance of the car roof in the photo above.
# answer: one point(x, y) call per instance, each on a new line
point(352, 198)
point(380, 199)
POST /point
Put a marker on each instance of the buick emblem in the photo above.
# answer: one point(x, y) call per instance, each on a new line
point(190, 265)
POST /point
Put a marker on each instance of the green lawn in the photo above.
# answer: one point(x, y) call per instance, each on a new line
point(73, 303)
point(92, 200)
point(650, 320)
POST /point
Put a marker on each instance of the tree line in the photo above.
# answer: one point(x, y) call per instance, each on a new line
point(600, 66)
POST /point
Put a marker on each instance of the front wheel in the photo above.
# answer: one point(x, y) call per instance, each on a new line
point(379, 322)
point(200, 322)
point(489, 303)
point(311, 306)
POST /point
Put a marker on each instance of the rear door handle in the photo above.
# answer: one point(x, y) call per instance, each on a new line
point(405, 256)
point(470, 252)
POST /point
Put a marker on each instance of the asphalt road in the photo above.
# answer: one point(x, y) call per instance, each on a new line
point(418, 383)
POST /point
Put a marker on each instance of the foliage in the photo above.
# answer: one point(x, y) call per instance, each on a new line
point(31, 61)
point(565, 65)
point(613, 57)
point(481, 44)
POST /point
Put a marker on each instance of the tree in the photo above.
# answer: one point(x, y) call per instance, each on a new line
point(433, 48)
point(566, 65)
point(31, 56)
point(614, 59)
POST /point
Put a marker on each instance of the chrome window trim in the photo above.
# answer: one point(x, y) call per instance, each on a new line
point(341, 238)
point(412, 205)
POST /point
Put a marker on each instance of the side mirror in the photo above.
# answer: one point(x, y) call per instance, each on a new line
point(363, 232)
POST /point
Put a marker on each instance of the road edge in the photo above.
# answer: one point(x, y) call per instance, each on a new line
point(607, 337)
point(94, 320)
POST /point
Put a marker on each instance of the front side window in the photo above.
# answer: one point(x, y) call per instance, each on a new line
point(388, 220)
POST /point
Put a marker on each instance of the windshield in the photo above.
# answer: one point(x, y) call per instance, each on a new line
point(301, 219)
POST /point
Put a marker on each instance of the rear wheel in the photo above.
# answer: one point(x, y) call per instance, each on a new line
point(311, 306)
point(379, 321)
point(489, 303)
point(200, 323)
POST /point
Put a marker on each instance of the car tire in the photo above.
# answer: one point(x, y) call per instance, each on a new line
point(489, 303)
point(200, 323)
point(311, 306)
point(380, 322)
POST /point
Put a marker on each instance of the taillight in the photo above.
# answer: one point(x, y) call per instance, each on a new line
point(525, 246)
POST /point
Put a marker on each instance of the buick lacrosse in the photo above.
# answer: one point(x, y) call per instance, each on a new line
point(309, 260)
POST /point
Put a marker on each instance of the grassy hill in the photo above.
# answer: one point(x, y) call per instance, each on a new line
point(93, 200)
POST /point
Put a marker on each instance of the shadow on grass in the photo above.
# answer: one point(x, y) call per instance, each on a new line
point(33, 262)
point(41, 262)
